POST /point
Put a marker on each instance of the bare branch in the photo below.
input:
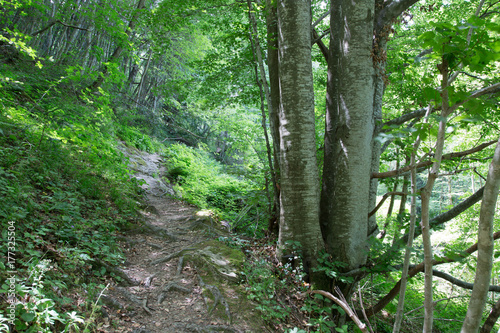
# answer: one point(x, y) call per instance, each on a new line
point(460, 283)
point(54, 22)
point(382, 303)
point(493, 89)
point(409, 116)
point(398, 172)
point(318, 21)
point(322, 47)
point(383, 200)
point(344, 306)
point(435, 302)
point(450, 214)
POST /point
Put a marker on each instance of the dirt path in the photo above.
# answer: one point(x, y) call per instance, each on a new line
point(172, 278)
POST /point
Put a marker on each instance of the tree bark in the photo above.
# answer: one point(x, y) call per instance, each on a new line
point(485, 247)
point(348, 133)
point(492, 318)
point(264, 87)
point(299, 215)
point(413, 218)
point(273, 70)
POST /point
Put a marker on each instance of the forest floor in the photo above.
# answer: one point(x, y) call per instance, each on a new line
point(177, 277)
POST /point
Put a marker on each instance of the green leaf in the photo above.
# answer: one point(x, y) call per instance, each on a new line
point(27, 317)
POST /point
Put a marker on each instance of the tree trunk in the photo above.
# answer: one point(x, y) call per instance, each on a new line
point(299, 215)
point(492, 318)
point(143, 78)
point(411, 232)
point(426, 197)
point(273, 69)
point(348, 134)
point(485, 247)
point(264, 88)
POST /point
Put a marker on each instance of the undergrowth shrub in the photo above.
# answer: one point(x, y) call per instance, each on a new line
point(133, 137)
point(204, 182)
point(64, 194)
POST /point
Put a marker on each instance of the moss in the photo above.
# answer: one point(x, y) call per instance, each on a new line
point(213, 257)
point(234, 256)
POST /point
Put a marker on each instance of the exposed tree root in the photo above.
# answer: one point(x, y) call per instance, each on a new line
point(129, 296)
point(141, 330)
point(142, 303)
point(207, 329)
point(111, 302)
point(180, 265)
point(218, 299)
point(149, 280)
point(171, 286)
point(171, 256)
point(160, 231)
point(144, 306)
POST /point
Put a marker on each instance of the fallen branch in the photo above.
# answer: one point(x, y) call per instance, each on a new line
point(344, 306)
point(364, 312)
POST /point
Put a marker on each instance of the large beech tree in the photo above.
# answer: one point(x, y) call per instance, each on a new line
point(299, 215)
point(357, 58)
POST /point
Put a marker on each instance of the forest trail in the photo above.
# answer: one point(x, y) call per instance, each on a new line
point(176, 278)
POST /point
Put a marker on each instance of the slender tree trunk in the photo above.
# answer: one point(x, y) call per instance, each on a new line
point(402, 206)
point(426, 197)
point(411, 232)
point(273, 70)
point(485, 247)
point(299, 215)
point(492, 318)
point(264, 87)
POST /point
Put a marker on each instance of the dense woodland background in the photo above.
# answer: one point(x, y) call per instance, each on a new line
point(194, 81)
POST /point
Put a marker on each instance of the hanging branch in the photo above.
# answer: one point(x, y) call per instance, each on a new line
point(50, 24)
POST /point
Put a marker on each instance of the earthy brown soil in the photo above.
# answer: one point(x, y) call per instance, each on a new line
point(174, 295)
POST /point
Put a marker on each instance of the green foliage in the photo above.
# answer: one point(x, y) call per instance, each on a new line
point(331, 268)
point(133, 137)
point(65, 189)
point(34, 312)
point(263, 287)
point(202, 181)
